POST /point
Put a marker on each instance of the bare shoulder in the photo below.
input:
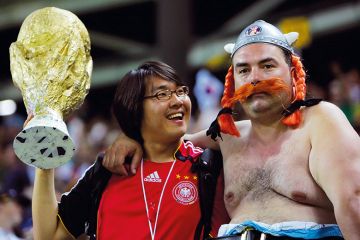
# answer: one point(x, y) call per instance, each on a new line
point(243, 127)
point(323, 109)
point(232, 145)
point(326, 119)
point(324, 115)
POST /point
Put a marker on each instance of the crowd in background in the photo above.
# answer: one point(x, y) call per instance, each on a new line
point(94, 134)
point(344, 91)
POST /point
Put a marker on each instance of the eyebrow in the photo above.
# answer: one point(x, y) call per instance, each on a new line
point(160, 87)
point(269, 59)
point(244, 64)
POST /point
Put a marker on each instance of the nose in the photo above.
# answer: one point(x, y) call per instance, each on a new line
point(254, 76)
point(255, 82)
point(175, 100)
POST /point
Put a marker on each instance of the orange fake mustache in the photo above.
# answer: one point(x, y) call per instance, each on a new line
point(272, 86)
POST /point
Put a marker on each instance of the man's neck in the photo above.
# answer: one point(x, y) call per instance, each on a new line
point(161, 152)
point(267, 133)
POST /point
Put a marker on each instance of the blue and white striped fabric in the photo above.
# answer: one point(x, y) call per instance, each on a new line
point(295, 229)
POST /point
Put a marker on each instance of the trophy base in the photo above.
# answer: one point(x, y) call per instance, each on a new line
point(44, 144)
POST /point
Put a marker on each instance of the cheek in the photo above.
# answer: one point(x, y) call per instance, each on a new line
point(238, 82)
point(150, 112)
point(287, 73)
point(145, 111)
point(187, 105)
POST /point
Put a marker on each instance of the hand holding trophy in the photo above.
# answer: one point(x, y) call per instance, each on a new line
point(51, 65)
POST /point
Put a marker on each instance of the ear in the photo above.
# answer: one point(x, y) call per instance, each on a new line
point(293, 73)
point(293, 78)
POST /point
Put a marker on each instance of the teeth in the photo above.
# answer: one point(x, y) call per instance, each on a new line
point(175, 115)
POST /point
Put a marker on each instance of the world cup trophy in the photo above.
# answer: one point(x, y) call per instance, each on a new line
point(51, 64)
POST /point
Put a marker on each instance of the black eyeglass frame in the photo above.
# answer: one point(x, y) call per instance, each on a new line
point(168, 93)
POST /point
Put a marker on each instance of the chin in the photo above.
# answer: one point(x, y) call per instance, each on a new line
point(259, 106)
point(179, 133)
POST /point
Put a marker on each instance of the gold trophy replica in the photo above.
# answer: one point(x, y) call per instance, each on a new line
point(51, 64)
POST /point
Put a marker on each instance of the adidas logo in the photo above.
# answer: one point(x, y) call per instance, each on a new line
point(153, 177)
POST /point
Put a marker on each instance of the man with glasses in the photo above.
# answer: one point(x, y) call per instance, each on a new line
point(161, 200)
point(292, 171)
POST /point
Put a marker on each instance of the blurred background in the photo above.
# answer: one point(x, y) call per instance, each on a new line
point(188, 35)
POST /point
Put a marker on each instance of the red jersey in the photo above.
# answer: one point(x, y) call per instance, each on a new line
point(170, 192)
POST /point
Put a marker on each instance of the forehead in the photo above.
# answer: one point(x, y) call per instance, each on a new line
point(256, 52)
point(154, 83)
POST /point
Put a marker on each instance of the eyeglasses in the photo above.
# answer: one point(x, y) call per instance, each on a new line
point(163, 95)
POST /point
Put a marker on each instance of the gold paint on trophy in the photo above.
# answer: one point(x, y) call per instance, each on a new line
point(51, 64)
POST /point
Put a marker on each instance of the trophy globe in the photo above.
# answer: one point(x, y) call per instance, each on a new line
point(51, 65)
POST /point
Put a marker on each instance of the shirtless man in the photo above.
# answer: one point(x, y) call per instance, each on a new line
point(286, 170)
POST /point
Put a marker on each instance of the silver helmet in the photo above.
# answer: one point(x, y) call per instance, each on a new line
point(262, 32)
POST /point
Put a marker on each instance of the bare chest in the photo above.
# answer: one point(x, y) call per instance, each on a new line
point(277, 173)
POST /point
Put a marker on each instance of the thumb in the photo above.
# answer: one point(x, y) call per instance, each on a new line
point(136, 160)
point(28, 119)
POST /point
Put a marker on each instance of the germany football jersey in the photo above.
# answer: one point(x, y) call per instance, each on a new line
point(160, 202)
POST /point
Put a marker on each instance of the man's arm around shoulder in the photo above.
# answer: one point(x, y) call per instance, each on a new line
point(201, 140)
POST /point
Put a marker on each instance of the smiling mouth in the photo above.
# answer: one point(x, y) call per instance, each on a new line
point(176, 116)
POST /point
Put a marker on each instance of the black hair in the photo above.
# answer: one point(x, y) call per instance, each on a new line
point(127, 105)
point(287, 55)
